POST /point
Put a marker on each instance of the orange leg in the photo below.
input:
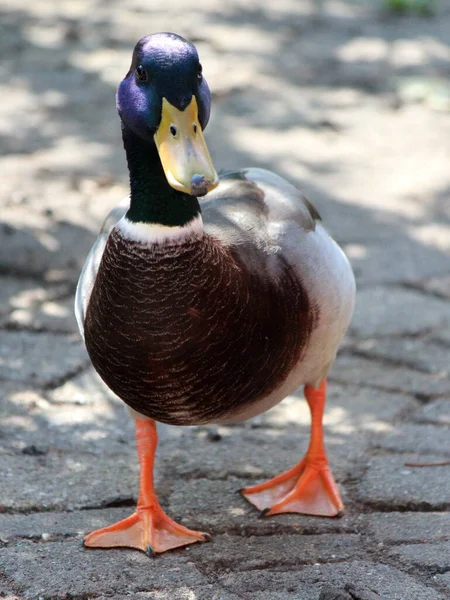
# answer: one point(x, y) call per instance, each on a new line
point(309, 487)
point(149, 528)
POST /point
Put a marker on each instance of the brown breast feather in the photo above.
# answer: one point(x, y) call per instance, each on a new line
point(187, 334)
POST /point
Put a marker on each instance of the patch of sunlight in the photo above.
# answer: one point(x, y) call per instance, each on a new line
point(185, 593)
point(405, 53)
point(355, 251)
point(48, 241)
point(10, 363)
point(379, 427)
point(20, 421)
point(335, 415)
point(248, 38)
point(237, 512)
point(256, 141)
point(434, 235)
point(50, 8)
point(433, 91)
point(296, 169)
point(50, 36)
point(94, 435)
point(72, 415)
point(289, 411)
point(60, 155)
point(27, 397)
point(26, 298)
point(110, 64)
point(56, 275)
point(343, 428)
point(55, 310)
point(75, 465)
point(53, 99)
point(363, 49)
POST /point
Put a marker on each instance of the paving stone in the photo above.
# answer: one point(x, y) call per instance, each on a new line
point(307, 583)
point(396, 311)
point(82, 444)
point(422, 439)
point(389, 484)
point(215, 506)
point(439, 285)
point(248, 454)
point(443, 581)
point(58, 524)
point(416, 353)
point(195, 592)
point(236, 553)
point(349, 410)
point(370, 258)
point(25, 293)
point(33, 245)
point(305, 593)
point(436, 411)
point(433, 557)
point(83, 480)
point(393, 528)
point(442, 336)
point(85, 389)
point(356, 370)
point(47, 428)
point(74, 444)
point(50, 315)
point(54, 568)
point(39, 359)
point(18, 400)
point(210, 505)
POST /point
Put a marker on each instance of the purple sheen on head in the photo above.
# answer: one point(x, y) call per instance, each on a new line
point(172, 66)
point(204, 103)
point(139, 109)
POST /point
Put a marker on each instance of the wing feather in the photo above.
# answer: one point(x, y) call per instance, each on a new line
point(92, 263)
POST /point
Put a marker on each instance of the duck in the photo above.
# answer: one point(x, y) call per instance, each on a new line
point(207, 299)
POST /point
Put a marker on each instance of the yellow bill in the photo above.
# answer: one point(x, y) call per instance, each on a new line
point(183, 152)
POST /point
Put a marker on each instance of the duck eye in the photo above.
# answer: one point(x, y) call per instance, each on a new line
point(199, 73)
point(141, 73)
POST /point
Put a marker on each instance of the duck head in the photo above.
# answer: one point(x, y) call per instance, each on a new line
point(164, 99)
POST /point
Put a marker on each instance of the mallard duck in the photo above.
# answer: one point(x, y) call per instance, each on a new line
point(213, 311)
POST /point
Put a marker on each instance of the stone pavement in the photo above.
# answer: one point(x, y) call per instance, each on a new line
point(352, 105)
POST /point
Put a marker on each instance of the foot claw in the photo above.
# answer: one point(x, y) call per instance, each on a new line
point(149, 552)
point(263, 512)
point(207, 537)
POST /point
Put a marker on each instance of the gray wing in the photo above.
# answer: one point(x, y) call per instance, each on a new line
point(92, 263)
point(248, 203)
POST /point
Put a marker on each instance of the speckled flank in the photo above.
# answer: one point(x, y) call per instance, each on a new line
point(186, 334)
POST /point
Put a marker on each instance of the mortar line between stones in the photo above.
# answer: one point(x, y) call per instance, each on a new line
point(385, 360)
point(420, 396)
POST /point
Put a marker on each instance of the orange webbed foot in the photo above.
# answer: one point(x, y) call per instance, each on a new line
point(306, 489)
point(149, 530)
point(309, 487)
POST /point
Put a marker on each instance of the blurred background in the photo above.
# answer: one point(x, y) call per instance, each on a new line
point(349, 100)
